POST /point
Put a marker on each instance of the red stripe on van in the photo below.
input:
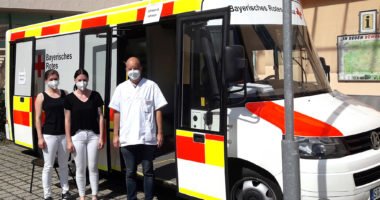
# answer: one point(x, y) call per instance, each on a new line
point(31, 103)
point(21, 118)
point(167, 9)
point(18, 35)
point(215, 137)
point(50, 30)
point(187, 149)
point(94, 22)
point(303, 125)
point(140, 14)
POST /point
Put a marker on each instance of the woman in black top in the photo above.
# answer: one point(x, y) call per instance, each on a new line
point(51, 133)
point(84, 131)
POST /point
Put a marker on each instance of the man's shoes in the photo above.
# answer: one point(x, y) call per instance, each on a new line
point(49, 198)
point(66, 196)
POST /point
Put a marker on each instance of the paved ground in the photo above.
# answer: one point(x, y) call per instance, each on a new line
point(16, 170)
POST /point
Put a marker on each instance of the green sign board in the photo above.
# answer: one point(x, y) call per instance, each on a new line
point(359, 57)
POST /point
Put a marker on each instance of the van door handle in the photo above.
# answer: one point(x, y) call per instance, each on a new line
point(199, 138)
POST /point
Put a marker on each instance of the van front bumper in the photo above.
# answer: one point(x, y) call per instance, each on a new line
point(350, 177)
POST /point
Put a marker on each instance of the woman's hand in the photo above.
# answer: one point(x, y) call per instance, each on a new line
point(70, 147)
point(41, 143)
point(100, 144)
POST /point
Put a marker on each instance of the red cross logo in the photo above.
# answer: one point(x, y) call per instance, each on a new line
point(40, 65)
point(299, 13)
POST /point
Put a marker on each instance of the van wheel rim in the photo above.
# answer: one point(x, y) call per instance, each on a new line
point(252, 189)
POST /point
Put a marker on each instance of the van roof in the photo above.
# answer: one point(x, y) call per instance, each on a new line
point(132, 12)
point(242, 12)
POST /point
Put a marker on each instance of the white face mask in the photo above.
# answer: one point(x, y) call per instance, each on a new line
point(134, 74)
point(81, 85)
point(53, 84)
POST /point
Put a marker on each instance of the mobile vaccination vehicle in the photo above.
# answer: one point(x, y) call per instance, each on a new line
point(219, 64)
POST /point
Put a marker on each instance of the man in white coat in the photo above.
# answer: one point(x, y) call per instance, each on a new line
point(138, 125)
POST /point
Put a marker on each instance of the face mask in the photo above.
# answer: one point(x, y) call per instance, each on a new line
point(81, 85)
point(53, 84)
point(134, 74)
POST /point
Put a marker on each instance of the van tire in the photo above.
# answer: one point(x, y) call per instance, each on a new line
point(257, 187)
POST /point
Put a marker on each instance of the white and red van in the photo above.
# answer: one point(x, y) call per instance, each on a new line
point(219, 64)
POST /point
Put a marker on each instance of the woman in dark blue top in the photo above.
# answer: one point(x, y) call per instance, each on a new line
point(84, 131)
point(51, 133)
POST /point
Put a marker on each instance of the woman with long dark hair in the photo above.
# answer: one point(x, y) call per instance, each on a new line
point(51, 133)
point(84, 125)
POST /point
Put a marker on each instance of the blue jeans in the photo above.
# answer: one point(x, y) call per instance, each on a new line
point(133, 155)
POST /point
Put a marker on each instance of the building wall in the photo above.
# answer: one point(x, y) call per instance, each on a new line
point(327, 19)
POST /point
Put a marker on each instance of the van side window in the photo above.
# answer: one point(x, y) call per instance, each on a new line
point(201, 70)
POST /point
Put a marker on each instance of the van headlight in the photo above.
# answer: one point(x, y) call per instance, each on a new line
point(321, 147)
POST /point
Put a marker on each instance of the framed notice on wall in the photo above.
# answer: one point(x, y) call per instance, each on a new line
point(359, 57)
point(367, 21)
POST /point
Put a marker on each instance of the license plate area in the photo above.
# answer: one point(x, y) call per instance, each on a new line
point(375, 193)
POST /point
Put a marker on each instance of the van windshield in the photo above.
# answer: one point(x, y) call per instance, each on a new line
point(263, 46)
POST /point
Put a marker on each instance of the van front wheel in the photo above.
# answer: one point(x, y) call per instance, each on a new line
point(252, 185)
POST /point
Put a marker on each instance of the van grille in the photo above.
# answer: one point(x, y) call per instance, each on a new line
point(359, 143)
point(367, 176)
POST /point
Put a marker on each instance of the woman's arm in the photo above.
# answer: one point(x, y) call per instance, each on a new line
point(101, 128)
point(38, 111)
point(69, 142)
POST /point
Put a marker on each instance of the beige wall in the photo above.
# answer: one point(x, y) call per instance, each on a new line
point(327, 19)
point(61, 5)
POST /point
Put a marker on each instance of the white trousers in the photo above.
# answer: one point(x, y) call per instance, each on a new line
point(55, 147)
point(86, 151)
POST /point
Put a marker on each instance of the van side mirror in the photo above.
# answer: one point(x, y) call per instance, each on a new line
point(235, 64)
point(326, 68)
point(235, 72)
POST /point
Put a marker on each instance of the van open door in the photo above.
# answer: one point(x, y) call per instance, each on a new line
point(95, 51)
point(200, 110)
point(23, 92)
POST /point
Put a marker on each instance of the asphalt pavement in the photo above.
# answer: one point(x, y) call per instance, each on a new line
point(16, 171)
